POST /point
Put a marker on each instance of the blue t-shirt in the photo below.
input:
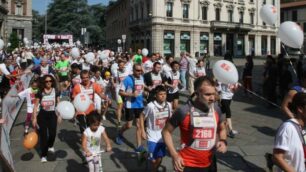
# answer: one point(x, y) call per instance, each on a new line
point(131, 84)
point(36, 61)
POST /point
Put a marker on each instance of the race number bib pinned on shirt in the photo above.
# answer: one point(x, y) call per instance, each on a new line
point(160, 119)
point(204, 130)
point(139, 86)
point(48, 101)
point(156, 79)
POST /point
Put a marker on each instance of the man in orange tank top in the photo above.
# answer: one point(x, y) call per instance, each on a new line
point(202, 130)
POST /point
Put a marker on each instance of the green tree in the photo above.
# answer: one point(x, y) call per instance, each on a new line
point(13, 39)
point(69, 16)
point(37, 26)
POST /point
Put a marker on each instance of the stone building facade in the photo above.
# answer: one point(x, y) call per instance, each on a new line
point(202, 26)
point(3, 18)
point(19, 18)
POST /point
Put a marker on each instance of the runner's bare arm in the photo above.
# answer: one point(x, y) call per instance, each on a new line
point(222, 144)
point(35, 110)
point(285, 103)
point(177, 160)
point(279, 159)
point(84, 146)
point(107, 141)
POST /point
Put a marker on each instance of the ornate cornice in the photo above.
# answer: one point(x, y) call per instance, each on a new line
point(252, 10)
point(186, 1)
point(218, 5)
point(241, 9)
point(204, 3)
point(230, 7)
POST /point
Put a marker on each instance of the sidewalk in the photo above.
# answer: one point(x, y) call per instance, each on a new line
point(256, 125)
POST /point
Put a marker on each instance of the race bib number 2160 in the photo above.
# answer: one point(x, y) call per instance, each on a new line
point(203, 133)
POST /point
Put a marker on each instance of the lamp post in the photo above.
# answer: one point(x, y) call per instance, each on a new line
point(119, 45)
point(123, 42)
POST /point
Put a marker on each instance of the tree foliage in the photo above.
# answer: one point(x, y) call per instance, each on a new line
point(69, 16)
point(13, 39)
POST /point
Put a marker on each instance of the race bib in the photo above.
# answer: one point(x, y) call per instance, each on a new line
point(139, 86)
point(160, 120)
point(175, 82)
point(48, 103)
point(203, 133)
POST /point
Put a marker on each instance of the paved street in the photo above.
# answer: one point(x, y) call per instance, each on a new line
point(255, 122)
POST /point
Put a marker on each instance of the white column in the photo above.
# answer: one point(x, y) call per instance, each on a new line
point(269, 44)
point(177, 43)
point(223, 43)
point(278, 46)
point(195, 42)
point(258, 45)
point(211, 44)
point(246, 45)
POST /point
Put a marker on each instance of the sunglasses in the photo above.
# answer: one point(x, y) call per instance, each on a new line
point(48, 81)
point(139, 70)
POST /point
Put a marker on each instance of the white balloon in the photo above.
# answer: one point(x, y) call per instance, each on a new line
point(25, 40)
point(90, 57)
point(103, 56)
point(9, 44)
point(65, 109)
point(106, 53)
point(144, 52)
point(291, 34)
point(1, 44)
point(81, 102)
point(225, 72)
point(75, 52)
point(268, 13)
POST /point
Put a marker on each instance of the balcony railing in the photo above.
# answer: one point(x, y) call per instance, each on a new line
point(231, 25)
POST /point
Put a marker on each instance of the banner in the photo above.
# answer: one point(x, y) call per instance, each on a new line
point(10, 109)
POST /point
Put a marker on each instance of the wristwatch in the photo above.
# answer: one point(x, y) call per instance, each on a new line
point(223, 140)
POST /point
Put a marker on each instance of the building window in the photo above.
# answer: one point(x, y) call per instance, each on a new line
point(282, 18)
point(136, 12)
point(241, 17)
point(141, 11)
point(185, 11)
point(204, 38)
point(264, 2)
point(304, 27)
point(251, 18)
point(185, 42)
point(273, 2)
point(132, 15)
point(230, 15)
point(18, 8)
point(169, 7)
point(169, 43)
point(217, 14)
point(294, 15)
point(148, 9)
point(251, 1)
point(204, 13)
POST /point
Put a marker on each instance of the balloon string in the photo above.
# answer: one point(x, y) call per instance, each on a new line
point(259, 96)
point(289, 58)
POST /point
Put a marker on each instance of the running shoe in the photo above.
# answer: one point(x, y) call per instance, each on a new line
point(140, 149)
point(43, 159)
point(119, 139)
point(52, 150)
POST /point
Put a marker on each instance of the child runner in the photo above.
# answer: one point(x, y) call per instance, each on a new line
point(107, 84)
point(29, 94)
point(156, 113)
point(91, 141)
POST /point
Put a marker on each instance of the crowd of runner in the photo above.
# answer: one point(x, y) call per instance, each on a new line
point(142, 88)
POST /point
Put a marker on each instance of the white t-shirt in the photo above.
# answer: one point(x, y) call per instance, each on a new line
point(226, 91)
point(148, 66)
point(175, 78)
point(156, 116)
point(30, 96)
point(94, 139)
point(4, 69)
point(129, 67)
point(114, 68)
point(197, 72)
point(166, 70)
point(287, 138)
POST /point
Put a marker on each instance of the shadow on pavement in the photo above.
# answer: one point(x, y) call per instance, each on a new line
point(128, 161)
point(27, 156)
point(74, 166)
point(234, 161)
point(72, 139)
point(266, 130)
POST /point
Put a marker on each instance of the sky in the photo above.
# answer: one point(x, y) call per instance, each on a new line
point(39, 5)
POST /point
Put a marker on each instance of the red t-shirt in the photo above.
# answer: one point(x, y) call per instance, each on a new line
point(144, 59)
